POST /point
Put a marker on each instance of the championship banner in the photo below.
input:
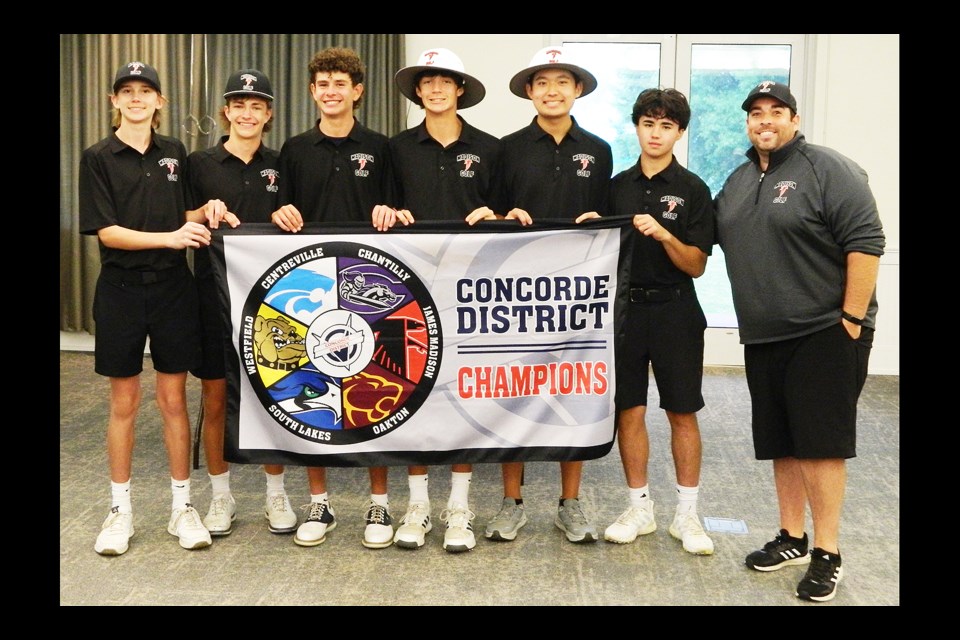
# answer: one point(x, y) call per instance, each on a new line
point(432, 344)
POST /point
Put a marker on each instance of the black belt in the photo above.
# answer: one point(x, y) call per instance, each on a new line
point(118, 275)
point(662, 294)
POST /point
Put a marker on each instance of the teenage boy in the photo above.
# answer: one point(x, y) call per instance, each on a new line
point(132, 198)
point(673, 212)
point(241, 172)
point(445, 171)
point(552, 168)
point(322, 181)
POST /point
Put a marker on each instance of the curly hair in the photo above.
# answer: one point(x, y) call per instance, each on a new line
point(338, 59)
point(662, 103)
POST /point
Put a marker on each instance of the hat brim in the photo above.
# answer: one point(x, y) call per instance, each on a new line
point(518, 83)
point(256, 94)
point(139, 78)
point(473, 89)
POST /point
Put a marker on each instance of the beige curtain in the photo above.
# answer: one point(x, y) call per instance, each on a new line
point(193, 70)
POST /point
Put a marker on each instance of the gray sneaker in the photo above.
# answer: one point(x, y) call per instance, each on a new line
point(507, 522)
point(572, 521)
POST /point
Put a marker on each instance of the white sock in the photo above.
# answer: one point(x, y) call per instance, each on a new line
point(688, 499)
point(220, 485)
point(181, 492)
point(380, 499)
point(319, 497)
point(459, 488)
point(274, 483)
point(640, 497)
point(120, 496)
point(418, 488)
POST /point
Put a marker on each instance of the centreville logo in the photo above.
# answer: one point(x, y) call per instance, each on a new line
point(271, 175)
point(781, 188)
point(341, 342)
point(171, 164)
point(468, 160)
point(361, 159)
point(672, 203)
point(585, 161)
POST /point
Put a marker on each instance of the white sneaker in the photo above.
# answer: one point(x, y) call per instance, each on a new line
point(378, 532)
point(281, 517)
point(220, 516)
point(635, 521)
point(320, 521)
point(115, 533)
point(415, 525)
point(459, 534)
point(185, 523)
point(687, 528)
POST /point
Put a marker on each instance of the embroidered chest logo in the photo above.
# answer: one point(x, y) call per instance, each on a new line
point(271, 176)
point(781, 188)
point(171, 164)
point(672, 203)
point(361, 159)
point(585, 160)
point(468, 160)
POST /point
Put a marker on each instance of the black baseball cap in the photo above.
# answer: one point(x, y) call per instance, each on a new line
point(252, 82)
point(771, 89)
point(137, 71)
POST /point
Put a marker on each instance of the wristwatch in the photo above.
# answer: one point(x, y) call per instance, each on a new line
point(851, 318)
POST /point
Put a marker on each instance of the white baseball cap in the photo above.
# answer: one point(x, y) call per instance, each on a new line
point(552, 56)
point(438, 59)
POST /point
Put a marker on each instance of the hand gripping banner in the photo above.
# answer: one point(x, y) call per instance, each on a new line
point(433, 344)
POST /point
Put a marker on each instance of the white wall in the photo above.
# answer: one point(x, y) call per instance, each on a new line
point(853, 99)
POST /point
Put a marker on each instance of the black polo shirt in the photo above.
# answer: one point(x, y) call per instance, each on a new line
point(251, 191)
point(444, 184)
point(680, 201)
point(336, 179)
point(551, 180)
point(144, 192)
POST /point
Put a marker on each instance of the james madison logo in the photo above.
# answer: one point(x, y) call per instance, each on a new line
point(341, 342)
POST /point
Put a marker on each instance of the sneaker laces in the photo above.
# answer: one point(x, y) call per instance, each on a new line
point(316, 510)
point(278, 502)
point(821, 570)
point(417, 513)
point(218, 506)
point(116, 521)
point(779, 544)
point(458, 517)
point(189, 518)
point(376, 513)
point(632, 517)
point(575, 514)
point(690, 523)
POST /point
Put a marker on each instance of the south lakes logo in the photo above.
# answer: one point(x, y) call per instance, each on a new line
point(341, 342)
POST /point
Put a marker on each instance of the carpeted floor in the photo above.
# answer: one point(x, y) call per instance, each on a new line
point(254, 567)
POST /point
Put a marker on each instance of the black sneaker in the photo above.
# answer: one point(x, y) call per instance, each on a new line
point(780, 552)
point(823, 576)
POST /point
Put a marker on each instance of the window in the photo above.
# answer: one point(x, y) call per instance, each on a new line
point(715, 72)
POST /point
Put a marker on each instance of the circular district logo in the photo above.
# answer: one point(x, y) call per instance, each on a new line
point(341, 342)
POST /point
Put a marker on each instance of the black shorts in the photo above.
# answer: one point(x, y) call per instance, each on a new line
point(129, 305)
point(804, 393)
point(213, 332)
point(669, 336)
